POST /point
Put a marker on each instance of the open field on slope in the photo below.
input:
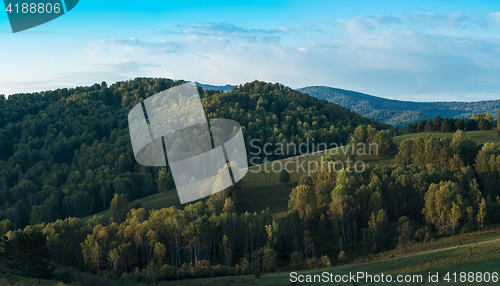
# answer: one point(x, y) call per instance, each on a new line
point(261, 189)
point(480, 137)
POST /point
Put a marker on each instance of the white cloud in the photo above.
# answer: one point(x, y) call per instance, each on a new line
point(495, 16)
point(451, 21)
point(134, 45)
point(369, 22)
point(424, 22)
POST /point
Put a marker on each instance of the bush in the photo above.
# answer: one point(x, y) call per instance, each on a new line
point(202, 269)
point(296, 260)
point(324, 261)
point(311, 263)
point(243, 268)
point(270, 260)
point(468, 227)
point(428, 237)
point(108, 274)
point(266, 259)
point(420, 234)
point(64, 276)
point(343, 256)
point(136, 276)
point(167, 272)
point(222, 270)
point(257, 273)
point(184, 271)
point(374, 248)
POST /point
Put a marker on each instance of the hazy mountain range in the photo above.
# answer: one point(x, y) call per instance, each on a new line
point(398, 112)
point(224, 88)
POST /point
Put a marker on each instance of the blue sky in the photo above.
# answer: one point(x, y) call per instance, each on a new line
point(406, 50)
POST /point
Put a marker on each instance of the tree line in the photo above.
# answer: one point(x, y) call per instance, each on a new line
point(480, 121)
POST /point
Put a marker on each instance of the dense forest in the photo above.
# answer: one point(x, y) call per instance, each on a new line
point(67, 152)
point(438, 187)
point(397, 112)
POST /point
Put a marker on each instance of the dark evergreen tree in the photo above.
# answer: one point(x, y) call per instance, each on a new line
point(409, 128)
point(284, 177)
point(27, 254)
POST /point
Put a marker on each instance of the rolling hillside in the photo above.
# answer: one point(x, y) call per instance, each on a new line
point(260, 189)
point(397, 112)
point(67, 151)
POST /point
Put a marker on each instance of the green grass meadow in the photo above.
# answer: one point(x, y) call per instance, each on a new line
point(477, 253)
point(480, 137)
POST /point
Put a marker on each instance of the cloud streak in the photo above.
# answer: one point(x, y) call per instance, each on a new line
point(134, 45)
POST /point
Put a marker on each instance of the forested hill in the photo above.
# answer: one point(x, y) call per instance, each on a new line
point(67, 152)
point(397, 112)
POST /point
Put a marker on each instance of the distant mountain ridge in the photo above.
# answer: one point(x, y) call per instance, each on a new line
point(224, 88)
point(396, 112)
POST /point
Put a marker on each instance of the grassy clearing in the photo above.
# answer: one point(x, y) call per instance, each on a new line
point(12, 280)
point(259, 185)
point(70, 275)
point(261, 189)
point(480, 137)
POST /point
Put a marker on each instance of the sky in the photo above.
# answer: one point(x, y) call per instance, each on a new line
point(405, 50)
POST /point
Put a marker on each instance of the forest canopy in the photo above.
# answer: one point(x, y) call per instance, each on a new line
point(67, 152)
